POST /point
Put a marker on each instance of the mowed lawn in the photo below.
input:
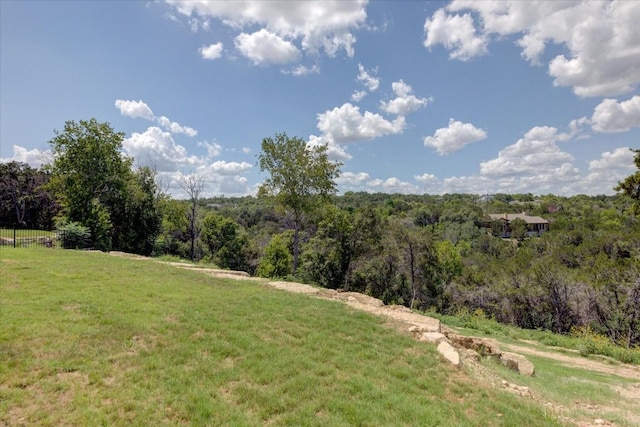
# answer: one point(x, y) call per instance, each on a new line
point(88, 338)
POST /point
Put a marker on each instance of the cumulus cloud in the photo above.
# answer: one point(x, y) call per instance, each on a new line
point(454, 137)
point(335, 152)
point(405, 102)
point(611, 116)
point(157, 148)
point(174, 127)
point(369, 81)
point(346, 124)
point(264, 47)
point(358, 95)
point(429, 183)
point(222, 167)
point(34, 158)
point(213, 148)
point(620, 158)
point(457, 33)
point(317, 26)
point(536, 155)
point(213, 51)
point(601, 38)
point(134, 109)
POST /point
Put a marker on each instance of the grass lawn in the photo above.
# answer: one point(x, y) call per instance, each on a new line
point(91, 339)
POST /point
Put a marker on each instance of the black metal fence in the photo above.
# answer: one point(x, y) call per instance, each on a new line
point(20, 238)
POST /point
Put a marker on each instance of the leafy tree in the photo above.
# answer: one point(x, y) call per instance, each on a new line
point(140, 222)
point(97, 187)
point(518, 228)
point(24, 201)
point(300, 176)
point(277, 260)
point(631, 185)
point(226, 241)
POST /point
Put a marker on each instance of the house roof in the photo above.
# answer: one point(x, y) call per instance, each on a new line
point(528, 219)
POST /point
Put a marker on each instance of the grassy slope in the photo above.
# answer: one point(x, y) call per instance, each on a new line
point(90, 339)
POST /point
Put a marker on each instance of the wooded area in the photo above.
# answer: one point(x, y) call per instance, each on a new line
point(428, 252)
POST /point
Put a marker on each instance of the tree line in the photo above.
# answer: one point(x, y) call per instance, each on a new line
point(426, 252)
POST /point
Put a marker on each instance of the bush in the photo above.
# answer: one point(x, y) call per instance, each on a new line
point(74, 236)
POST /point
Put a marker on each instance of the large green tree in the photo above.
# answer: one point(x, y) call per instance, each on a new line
point(631, 185)
point(24, 201)
point(299, 177)
point(97, 187)
point(226, 240)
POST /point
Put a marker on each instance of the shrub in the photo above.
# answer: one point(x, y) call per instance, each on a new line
point(74, 236)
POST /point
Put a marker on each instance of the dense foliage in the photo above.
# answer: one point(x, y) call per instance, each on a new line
point(24, 200)
point(97, 188)
point(440, 252)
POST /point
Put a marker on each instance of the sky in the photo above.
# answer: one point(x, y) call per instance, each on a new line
point(412, 97)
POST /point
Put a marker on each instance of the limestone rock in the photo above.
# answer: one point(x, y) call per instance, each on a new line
point(482, 346)
point(518, 363)
point(433, 337)
point(449, 353)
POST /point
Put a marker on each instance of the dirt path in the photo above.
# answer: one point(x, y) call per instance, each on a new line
point(624, 371)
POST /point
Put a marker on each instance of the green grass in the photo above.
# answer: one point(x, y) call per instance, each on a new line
point(92, 339)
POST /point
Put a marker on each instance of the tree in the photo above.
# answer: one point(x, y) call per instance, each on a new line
point(276, 261)
point(24, 200)
point(97, 187)
point(300, 176)
point(630, 187)
point(226, 240)
point(193, 186)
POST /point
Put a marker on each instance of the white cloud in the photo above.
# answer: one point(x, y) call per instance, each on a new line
point(601, 38)
point(620, 158)
point(246, 150)
point(457, 33)
point(158, 149)
point(345, 124)
point(453, 138)
point(536, 155)
point(351, 178)
point(358, 95)
point(405, 102)
point(264, 47)
point(222, 167)
point(302, 70)
point(430, 183)
point(606, 172)
point(370, 82)
point(134, 109)
point(611, 116)
point(468, 184)
point(174, 127)
point(395, 185)
point(325, 25)
point(34, 158)
point(213, 51)
point(335, 152)
point(213, 148)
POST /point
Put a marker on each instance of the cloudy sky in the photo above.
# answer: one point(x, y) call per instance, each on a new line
point(412, 96)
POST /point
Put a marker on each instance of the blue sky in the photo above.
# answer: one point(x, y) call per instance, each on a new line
point(412, 96)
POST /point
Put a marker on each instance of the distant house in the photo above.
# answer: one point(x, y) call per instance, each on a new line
point(535, 224)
